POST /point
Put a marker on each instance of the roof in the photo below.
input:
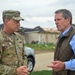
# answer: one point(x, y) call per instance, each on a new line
point(36, 29)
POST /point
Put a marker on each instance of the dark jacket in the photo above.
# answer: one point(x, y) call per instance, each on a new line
point(63, 51)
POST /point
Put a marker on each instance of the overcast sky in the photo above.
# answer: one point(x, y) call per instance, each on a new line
point(37, 12)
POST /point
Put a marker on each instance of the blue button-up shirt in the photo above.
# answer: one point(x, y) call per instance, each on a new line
point(71, 63)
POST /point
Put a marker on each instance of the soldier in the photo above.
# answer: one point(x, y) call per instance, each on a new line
point(12, 56)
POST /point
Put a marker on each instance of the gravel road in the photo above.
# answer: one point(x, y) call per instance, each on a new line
point(42, 60)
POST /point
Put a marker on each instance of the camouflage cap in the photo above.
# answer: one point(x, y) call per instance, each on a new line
point(12, 14)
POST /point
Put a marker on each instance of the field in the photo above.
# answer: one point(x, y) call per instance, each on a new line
point(42, 47)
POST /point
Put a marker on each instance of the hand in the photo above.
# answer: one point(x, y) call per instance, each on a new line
point(57, 65)
point(22, 70)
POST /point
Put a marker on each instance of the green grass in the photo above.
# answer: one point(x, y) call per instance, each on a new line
point(41, 46)
point(44, 72)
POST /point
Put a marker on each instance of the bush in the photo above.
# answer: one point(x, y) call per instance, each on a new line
point(42, 47)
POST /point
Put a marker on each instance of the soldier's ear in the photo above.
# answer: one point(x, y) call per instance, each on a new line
point(6, 20)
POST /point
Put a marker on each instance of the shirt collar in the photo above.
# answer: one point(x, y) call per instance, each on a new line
point(65, 31)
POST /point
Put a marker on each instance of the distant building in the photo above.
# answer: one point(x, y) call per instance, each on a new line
point(40, 35)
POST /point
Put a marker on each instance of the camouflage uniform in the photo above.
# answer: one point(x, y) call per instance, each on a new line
point(11, 53)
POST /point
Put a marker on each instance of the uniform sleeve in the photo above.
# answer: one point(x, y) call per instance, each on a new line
point(24, 53)
point(24, 57)
point(5, 69)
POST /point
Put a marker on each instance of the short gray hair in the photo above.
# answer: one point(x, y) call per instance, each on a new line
point(66, 13)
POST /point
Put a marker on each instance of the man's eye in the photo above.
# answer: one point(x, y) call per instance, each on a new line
point(57, 19)
point(16, 21)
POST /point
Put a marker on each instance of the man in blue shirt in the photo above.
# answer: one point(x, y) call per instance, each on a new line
point(64, 56)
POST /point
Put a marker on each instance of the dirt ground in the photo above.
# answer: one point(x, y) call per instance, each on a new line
point(41, 51)
point(43, 60)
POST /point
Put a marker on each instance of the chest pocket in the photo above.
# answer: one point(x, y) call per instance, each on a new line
point(8, 47)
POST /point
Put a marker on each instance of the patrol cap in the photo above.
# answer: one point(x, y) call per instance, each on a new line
point(12, 14)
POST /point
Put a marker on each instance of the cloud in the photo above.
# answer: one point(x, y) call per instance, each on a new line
point(39, 19)
point(37, 12)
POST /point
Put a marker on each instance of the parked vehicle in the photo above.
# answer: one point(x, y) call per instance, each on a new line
point(30, 57)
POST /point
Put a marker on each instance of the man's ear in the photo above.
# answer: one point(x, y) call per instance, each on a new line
point(68, 19)
point(6, 20)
